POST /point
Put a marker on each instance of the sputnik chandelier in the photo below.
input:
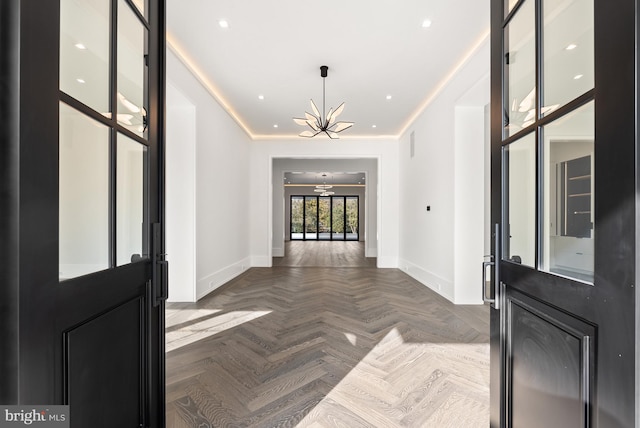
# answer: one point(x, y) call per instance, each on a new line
point(321, 123)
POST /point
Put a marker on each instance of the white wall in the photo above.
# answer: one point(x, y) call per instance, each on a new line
point(261, 195)
point(180, 194)
point(222, 225)
point(440, 247)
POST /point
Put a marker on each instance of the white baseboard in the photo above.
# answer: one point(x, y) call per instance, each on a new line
point(212, 281)
point(436, 283)
point(277, 252)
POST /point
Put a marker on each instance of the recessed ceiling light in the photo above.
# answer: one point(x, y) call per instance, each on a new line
point(374, 126)
point(275, 125)
point(388, 97)
point(80, 80)
point(223, 23)
point(261, 97)
point(426, 23)
point(571, 47)
point(80, 46)
point(578, 76)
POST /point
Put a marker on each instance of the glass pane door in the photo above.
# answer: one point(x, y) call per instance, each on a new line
point(324, 218)
point(297, 217)
point(310, 217)
point(352, 220)
point(337, 218)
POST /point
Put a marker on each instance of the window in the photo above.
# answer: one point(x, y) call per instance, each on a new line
point(335, 218)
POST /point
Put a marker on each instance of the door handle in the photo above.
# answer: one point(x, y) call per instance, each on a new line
point(159, 267)
point(485, 265)
point(495, 262)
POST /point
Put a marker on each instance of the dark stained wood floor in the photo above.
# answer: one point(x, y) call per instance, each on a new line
point(326, 347)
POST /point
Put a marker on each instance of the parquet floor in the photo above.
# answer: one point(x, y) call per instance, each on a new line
point(326, 347)
point(324, 254)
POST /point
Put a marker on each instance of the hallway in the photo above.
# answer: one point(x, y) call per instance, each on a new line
point(326, 347)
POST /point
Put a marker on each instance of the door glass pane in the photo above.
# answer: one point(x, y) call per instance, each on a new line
point(84, 52)
point(510, 5)
point(519, 70)
point(324, 218)
point(520, 222)
point(141, 6)
point(568, 199)
point(352, 218)
point(311, 217)
point(130, 200)
point(568, 51)
point(297, 217)
point(337, 220)
point(131, 70)
point(84, 194)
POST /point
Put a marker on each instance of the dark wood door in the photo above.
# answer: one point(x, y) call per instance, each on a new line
point(563, 120)
point(85, 280)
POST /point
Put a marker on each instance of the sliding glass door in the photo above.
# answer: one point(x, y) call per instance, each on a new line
point(324, 218)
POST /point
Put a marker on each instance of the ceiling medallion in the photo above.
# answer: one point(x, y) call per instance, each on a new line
point(321, 123)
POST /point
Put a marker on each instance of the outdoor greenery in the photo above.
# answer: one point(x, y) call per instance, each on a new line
point(324, 214)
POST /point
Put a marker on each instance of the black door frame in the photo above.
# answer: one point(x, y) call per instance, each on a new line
point(611, 303)
point(304, 217)
point(32, 360)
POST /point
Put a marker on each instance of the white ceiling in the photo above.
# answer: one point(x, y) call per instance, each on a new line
point(373, 49)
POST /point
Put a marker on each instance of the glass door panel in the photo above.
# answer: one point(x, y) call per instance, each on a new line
point(568, 199)
point(337, 218)
point(520, 216)
point(84, 194)
point(324, 218)
point(519, 70)
point(132, 76)
point(140, 5)
point(352, 218)
point(310, 217)
point(568, 51)
point(84, 52)
point(131, 188)
point(297, 217)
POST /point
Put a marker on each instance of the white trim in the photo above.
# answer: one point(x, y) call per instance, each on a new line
point(436, 283)
point(215, 280)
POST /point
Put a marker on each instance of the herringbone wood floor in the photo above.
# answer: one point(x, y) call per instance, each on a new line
point(326, 347)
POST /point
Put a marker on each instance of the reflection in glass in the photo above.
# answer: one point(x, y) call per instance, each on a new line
point(352, 218)
point(568, 230)
point(324, 218)
point(140, 4)
point(132, 110)
point(84, 52)
point(130, 200)
point(520, 222)
point(568, 51)
point(337, 219)
point(297, 217)
point(310, 217)
point(84, 194)
point(519, 70)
